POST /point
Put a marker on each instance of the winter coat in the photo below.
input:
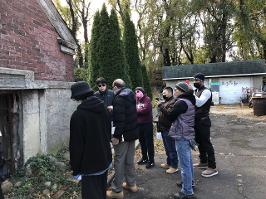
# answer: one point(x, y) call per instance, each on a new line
point(90, 136)
point(144, 110)
point(107, 97)
point(164, 123)
point(125, 115)
point(183, 117)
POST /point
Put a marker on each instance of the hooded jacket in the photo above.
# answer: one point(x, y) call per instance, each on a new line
point(107, 96)
point(144, 110)
point(89, 143)
point(183, 117)
point(125, 115)
point(164, 123)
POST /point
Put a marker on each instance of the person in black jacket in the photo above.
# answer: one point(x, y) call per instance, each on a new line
point(202, 127)
point(164, 125)
point(125, 134)
point(89, 144)
point(105, 94)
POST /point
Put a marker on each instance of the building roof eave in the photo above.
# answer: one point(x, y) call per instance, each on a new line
point(215, 76)
point(58, 23)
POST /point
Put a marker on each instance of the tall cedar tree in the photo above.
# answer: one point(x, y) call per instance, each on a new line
point(116, 57)
point(146, 81)
point(104, 45)
point(95, 37)
point(132, 52)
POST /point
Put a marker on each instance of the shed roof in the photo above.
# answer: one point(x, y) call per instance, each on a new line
point(221, 69)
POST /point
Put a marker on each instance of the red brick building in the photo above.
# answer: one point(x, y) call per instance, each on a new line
point(30, 32)
point(36, 70)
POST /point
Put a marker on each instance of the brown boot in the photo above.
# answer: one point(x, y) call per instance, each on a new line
point(134, 188)
point(112, 194)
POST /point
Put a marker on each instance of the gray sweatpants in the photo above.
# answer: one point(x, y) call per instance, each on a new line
point(124, 165)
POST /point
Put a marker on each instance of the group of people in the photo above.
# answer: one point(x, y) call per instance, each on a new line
point(120, 117)
point(184, 123)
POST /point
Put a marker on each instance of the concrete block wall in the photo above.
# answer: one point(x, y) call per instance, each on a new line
point(58, 112)
point(31, 121)
point(46, 119)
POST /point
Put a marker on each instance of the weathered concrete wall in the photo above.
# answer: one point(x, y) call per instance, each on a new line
point(31, 123)
point(59, 108)
point(46, 117)
point(257, 82)
point(230, 89)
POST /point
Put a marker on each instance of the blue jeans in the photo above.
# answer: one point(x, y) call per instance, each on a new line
point(169, 145)
point(186, 165)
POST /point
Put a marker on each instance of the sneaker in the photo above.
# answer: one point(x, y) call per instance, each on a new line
point(201, 165)
point(209, 172)
point(112, 194)
point(149, 165)
point(171, 170)
point(134, 188)
point(142, 161)
point(164, 166)
point(181, 195)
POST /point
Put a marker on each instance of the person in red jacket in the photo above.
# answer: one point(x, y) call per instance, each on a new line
point(144, 113)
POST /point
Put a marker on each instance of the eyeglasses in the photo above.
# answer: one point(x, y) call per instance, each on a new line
point(101, 85)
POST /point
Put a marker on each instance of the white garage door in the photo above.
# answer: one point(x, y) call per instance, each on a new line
point(231, 89)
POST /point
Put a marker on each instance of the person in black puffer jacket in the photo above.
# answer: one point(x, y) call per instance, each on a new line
point(125, 134)
point(89, 144)
point(105, 94)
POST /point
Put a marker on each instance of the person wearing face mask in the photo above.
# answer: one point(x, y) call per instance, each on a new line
point(202, 127)
point(164, 125)
point(144, 113)
point(182, 131)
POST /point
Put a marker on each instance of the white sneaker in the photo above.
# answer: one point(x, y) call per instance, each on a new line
point(171, 170)
point(209, 172)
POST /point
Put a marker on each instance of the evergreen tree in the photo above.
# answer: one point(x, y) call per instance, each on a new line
point(146, 81)
point(131, 52)
point(95, 37)
point(104, 50)
point(116, 57)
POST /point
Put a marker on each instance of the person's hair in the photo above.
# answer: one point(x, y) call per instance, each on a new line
point(100, 80)
point(119, 83)
point(169, 89)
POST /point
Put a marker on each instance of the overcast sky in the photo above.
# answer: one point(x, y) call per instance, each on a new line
point(95, 5)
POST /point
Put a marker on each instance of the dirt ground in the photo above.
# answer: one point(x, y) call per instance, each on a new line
point(239, 140)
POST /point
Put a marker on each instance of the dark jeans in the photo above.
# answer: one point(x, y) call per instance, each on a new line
point(146, 141)
point(202, 137)
point(169, 146)
point(94, 187)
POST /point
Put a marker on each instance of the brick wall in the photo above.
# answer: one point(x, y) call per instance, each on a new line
point(29, 41)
